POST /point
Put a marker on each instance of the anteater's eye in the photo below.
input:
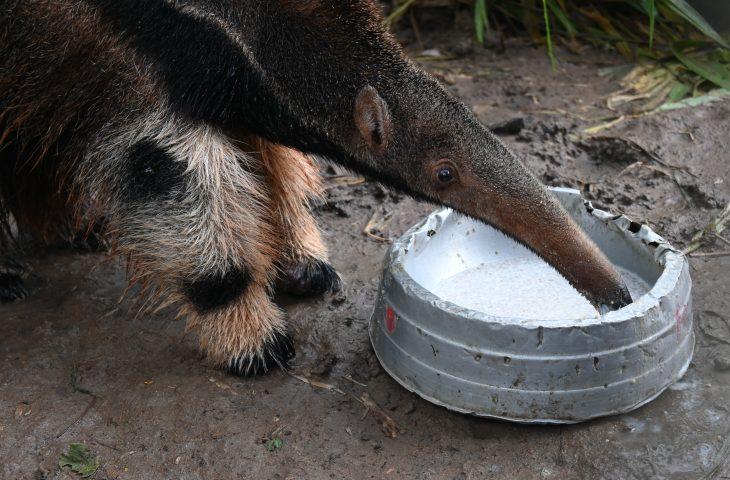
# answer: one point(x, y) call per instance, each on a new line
point(445, 173)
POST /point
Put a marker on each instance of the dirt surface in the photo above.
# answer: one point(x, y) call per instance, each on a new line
point(78, 365)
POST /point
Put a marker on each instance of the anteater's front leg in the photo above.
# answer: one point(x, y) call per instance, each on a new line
point(295, 182)
point(192, 213)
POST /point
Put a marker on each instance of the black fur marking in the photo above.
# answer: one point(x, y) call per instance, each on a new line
point(206, 74)
point(216, 291)
point(153, 172)
point(308, 278)
point(198, 63)
point(11, 287)
point(277, 353)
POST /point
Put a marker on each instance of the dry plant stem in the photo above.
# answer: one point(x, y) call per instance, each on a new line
point(715, 227)
point(78, 419)
point(317, 384)
point(388, 425)
point(374, 225)
point(343, 180)
point(711, 254)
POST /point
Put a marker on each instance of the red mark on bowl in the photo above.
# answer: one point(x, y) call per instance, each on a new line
point(679, 318)
point(390, 320)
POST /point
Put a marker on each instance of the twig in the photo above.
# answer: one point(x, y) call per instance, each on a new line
point(711, 254)
point(350, 379)
point(374, 224)
point(604, 126)
point(222, 385)
point(388, 425)
point(630, 167)
point(83, 414)
point(343, 180)
point(316, 384)
point(646, 152)
point(686, 132)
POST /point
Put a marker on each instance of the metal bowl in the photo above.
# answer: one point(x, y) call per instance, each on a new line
point(528, 367)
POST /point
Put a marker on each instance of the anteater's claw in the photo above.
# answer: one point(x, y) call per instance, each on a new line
point(276, 353)
point(310, 277)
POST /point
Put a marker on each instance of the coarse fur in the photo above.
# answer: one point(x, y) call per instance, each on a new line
point(188, 127)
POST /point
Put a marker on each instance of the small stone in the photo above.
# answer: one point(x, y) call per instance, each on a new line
point(722, 363)
point(512, 126)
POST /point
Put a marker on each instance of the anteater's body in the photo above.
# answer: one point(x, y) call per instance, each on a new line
point(182, 124)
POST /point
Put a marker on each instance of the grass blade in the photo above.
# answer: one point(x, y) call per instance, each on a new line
point(652, 17)
point(685, 10)
point(481, 21)
point(562, 17)
point(548, 34)
point(604, 22)
point(707, 64)
point(398, 12)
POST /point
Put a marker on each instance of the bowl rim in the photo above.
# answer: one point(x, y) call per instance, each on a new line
point(670, 259)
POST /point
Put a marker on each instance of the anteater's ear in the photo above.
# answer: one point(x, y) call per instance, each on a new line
point(372, 118)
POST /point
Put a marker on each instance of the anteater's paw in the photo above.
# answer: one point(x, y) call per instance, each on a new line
point(276, 353)
point(308, 278)
point(11, 287)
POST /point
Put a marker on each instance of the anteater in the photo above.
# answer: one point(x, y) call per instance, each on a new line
point(187, 128)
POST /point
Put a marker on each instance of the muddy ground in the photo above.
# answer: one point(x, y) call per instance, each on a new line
point(77, 366)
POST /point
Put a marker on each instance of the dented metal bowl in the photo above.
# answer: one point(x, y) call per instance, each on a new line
point(531, 369)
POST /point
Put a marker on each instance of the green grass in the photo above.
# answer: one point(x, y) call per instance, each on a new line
point(662, 31)
point(274, 444)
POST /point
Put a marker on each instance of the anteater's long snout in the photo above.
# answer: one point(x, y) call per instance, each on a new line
point(548, 229)
point(526, 210)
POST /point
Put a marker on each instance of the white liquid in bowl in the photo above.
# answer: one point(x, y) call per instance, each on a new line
point(524, 287)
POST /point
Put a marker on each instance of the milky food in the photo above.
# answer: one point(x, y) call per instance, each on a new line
point(524, 287)
point(476, 266)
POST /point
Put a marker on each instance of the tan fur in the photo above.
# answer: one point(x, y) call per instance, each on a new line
point(294, 181)
point(225, 220)
point(240, 329)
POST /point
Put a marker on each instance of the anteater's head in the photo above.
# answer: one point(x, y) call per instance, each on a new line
point(351, 95)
